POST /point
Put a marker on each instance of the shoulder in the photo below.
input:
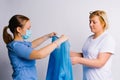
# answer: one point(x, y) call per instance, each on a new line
point(108, 37)
point(90, 37)
point(15, 44)
point(108, 40)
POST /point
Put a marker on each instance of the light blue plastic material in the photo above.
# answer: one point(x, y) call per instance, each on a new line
point(27, 35)
point(60, 67)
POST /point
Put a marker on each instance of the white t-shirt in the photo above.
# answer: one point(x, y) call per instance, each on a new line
point(91, 49)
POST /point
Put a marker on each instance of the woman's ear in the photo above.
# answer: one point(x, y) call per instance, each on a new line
point(19, 29)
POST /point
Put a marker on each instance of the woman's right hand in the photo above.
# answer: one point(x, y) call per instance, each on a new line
point(63, 38)
point(75, 60)
point(52, 34)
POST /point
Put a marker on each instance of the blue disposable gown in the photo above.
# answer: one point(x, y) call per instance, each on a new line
point(60, 67)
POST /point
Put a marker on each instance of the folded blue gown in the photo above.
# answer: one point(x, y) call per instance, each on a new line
point(59, 66)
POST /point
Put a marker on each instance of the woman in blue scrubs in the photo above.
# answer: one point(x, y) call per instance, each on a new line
point(21, 53)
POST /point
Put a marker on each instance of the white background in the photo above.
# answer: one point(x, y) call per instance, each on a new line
point(68, 17)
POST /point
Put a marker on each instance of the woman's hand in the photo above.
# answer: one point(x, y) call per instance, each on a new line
point(63, 38)
point(75, 60)
point(52, 34)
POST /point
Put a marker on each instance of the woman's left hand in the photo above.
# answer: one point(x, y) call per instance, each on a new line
point(75, 60)
point(52, 34)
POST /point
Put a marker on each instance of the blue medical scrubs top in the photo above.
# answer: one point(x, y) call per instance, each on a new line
point(19, 55)
point(59, 66)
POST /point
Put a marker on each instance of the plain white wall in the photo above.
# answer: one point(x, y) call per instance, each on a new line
point(68, 17)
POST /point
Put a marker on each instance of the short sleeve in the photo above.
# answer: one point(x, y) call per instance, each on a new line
point(108, 45)
point(23, 49)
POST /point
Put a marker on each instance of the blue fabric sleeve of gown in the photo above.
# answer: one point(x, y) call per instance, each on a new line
point(59, 66)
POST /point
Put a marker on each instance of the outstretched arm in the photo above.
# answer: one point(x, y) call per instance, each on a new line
point(37, 42)
point(45, 51)
point(97, 63)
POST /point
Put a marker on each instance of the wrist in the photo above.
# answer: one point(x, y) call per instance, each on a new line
point(47, 36)
point(50, 35)
point(79, 60)
point(56, 43)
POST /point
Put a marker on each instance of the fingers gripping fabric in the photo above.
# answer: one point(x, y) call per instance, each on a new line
point(59, 66)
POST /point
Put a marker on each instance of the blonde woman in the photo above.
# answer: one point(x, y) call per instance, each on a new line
point(97, 50)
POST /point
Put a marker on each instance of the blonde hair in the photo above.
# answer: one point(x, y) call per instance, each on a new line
point(102, 17)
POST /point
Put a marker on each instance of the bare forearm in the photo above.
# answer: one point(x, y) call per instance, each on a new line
point(98, 62)
point(43, 52)
point(39, 41)
point(91, 63)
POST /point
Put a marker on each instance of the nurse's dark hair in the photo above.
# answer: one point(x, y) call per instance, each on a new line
point(14, 22)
